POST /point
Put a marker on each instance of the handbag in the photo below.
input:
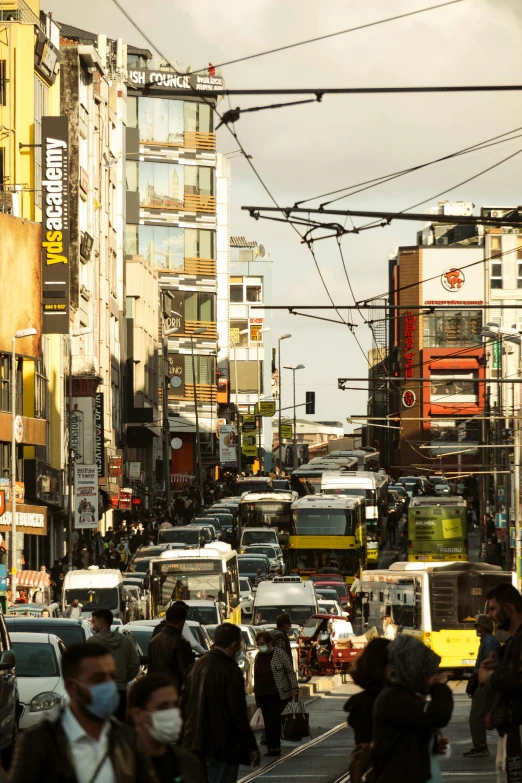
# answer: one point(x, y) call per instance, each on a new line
point(257, 723)
point(472, 685)
point(295, 723)
point(361, 765)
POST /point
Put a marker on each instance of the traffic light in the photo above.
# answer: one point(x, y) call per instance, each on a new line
point(310, 402)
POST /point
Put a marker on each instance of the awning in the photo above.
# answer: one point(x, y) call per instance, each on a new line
point(33, 579)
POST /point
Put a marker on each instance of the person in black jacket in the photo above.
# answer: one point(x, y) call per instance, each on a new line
point(213, 706)
point(169, 653)
point(280, 635)
point(154, 712)
point(404, 723)
point(505, 609)
point(369, 674)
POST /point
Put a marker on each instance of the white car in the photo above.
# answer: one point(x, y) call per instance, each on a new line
point(246, 595)
point(330, 607)
point(39, 676)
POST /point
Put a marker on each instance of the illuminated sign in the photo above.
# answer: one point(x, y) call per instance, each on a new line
point(408, 399)
point(55, 225)
point(410, 326)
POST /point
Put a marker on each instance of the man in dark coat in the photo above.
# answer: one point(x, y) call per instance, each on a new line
point(216, 725)
point(169, 652)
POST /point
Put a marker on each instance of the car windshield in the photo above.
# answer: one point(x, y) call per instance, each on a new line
point(244, 584)
point(177, 536)
point(267, 550)
point(35, 660)
point(143, 637)
point(93, 597)
point(250, 564)
point(340, 588)
point(328, 608)
point(258, 537)
point(203, 614)
point(323, 522)
point(70, 634)
point(269, 614)
point(327, 594)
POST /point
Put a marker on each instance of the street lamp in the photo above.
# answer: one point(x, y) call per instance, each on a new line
point(201, 330)
point(259, 334)
point(280, 445)
point(297, 367)
point(16, 336)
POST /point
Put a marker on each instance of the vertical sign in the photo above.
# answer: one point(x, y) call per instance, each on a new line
point(55, 225)
point(227, 445)
point(177, 374)
point(98, 434)
point(76, 434)
point(176, 319)
point(85, 496)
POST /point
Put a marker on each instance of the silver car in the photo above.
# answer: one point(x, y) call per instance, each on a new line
point(272, 551)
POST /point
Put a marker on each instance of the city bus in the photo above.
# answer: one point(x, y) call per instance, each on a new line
point(326, 529)
point(267, 509)
point(436, 602)
point(204, 574)
point(254, 484)
point(366, 460)
point(306, 480)
point(373, 487)
point(437, 529)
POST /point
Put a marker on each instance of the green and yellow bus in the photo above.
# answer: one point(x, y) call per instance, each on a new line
point(185, 574)
point(437, 529)
point(326, 529)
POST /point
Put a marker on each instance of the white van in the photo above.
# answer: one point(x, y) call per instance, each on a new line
point(96, 588)
point(284, 595)
point(257, 535)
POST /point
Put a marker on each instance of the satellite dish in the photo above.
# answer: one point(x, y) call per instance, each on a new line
point(176, 443)
point(262, 251)
point(176, 381)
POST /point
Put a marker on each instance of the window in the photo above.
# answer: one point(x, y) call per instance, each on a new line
point(198, 117)
point(199, 243)
point(161, 121)
point(5, 378)
point(41, 93)
point(253, 293)
point(246, 289)
point(161, 185)
point(454, 387)
point(199, 180)
point(199, 306)
point(84, 89)
point(236, 293)
point(41, 391)
point(131, 171)
point(447, 327)
point(495, 249)
point(166, 247)
point(236, 338)
point(205, 367)
point(519, 247)
point(3, 83)
point(132, 111)
point(249, 374)
point(519, 274)
point(116, 410)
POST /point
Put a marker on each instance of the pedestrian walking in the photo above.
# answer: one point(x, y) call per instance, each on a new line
point(369, 673)
point(169, 653)
point(404, 722)
point(74, 610)
point(391, 528)
point(505, 609)
point(186, 632)
point(215, 719)
point(275, 683)
point(388, 628)
point(84, 744)
point(482, 696)
point(280, 634)
point(153, 710)
point(123, 651)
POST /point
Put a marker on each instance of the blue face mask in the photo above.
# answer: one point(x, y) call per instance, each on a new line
point(104, 700)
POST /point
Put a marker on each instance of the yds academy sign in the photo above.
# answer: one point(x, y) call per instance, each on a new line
point(55, 225)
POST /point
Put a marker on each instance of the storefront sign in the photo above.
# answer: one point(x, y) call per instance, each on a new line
point(410, 326)
point(125, 499)
point(183, 82)
point(134, 471)
point(265, 408)
point(86, 496)
point(29, 519)
point(446, 282)
point(5, 485)
point(76, 434)
point(115, 467)
point(176, 374)
point(408, 398)
point(227, 445)
point(256, 330)
point(55, 225)
point(249, 424)
point(114, 498)
point(99, 434)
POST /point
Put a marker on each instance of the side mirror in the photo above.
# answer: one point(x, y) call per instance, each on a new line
point(7, 660)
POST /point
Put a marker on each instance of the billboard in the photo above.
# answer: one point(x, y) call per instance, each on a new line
point(227, 445)
point(452, 280)
point(85, 496)
point(55, 225)
point(437, 532)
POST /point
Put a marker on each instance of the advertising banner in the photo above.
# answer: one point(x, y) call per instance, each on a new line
point(55, 225)
point(176, 374)
point(125, 499)
point(449, 279)
point(115, 467)
point(437, 533)
point(266, 407)
point(134, 471)
point(227, 445)
point(99, 442)
point(85, 496)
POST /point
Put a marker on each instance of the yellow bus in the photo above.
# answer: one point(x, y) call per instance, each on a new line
point(185, 574)
point(438, 529)
point(326, 529)
point(436, 602)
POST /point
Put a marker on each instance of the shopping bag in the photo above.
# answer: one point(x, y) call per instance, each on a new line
point(295, 724)
point(257, 723)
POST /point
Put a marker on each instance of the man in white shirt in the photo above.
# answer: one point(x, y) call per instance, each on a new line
point(85, 744)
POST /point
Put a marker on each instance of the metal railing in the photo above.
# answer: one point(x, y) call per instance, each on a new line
point(18, 11)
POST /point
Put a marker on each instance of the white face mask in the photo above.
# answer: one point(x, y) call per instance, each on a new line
point(166, 725)
point(263, 648)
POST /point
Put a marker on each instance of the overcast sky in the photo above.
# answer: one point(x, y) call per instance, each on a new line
point(307, 150)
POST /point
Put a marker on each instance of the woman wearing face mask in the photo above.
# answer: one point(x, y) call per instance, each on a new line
point(154, 712)
point(275, 683)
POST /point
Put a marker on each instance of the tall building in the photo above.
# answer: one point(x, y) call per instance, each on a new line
point(251, 341)
point(172, 196)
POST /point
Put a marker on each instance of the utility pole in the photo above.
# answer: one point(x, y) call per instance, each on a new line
point(516, 478)
point(279, 439)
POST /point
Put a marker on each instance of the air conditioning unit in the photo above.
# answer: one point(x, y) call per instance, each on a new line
point(442, 241)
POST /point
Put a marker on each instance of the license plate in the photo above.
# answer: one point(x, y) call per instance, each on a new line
point(469, 661)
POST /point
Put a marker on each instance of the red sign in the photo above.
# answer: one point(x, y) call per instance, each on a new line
point(114, 499)
point(125, 499)
point(408, 399)
point(410, 325)
point(115, 466)
point(2, 502)
point(136, 501)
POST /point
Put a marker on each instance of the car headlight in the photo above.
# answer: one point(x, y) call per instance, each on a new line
point(45, 701)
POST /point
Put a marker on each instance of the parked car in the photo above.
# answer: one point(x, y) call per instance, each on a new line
point(69, 631)
point(246, 595)
point(39, 676)
point(142, 632)
point(9, 700)
point(272, 551)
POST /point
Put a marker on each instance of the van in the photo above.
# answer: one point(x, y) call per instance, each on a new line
point(257, 535)
point(96, 588)
point(285, 595)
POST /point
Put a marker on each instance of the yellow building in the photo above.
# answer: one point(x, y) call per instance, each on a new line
point(30, 90)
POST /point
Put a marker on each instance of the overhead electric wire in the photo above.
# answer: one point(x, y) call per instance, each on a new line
point(331, 35)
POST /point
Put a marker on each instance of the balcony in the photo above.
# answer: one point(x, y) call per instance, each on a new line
point(18, 11)
point(194, 266)
point(200, 141)
point(196, 203)
point(191, 326)
point(204, 393)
